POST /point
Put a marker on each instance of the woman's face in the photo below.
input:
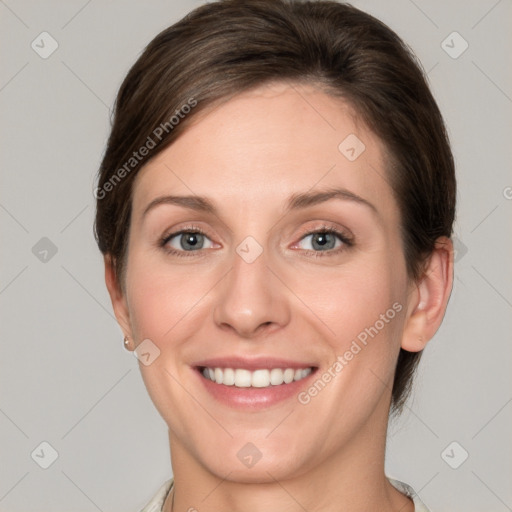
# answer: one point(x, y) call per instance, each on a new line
point(291, 259)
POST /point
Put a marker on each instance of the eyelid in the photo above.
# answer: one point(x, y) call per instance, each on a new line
point(185, 228)
point(168, 235)
point(345, 234)
point(171, 233)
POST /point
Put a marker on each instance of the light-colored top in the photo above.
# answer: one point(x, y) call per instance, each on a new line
point(157, 502)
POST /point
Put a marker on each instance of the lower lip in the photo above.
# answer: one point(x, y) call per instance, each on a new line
point(253, 398)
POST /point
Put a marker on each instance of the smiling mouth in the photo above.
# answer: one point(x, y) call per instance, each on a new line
point(261, 378)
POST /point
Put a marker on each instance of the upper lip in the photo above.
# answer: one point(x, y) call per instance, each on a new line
point(253, 363)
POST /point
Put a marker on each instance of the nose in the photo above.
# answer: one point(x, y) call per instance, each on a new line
point(251, 300)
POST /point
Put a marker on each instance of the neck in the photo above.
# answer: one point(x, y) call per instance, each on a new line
point(352, 479)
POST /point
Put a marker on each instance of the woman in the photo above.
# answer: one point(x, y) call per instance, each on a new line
point(275, 208)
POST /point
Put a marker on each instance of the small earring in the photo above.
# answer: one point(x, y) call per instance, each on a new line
point(127, 343)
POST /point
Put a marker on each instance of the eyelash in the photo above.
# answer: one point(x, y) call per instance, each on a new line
point(347, 241)
point(166, 238)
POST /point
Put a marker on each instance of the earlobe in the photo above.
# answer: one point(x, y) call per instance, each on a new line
point(117, 297)
point(427, 304)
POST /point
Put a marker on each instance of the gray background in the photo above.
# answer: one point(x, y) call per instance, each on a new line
point(64, 375)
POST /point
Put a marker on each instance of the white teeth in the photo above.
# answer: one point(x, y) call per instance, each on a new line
point(242, 378)
point(288, 375)
point(260, 379)
point(263, 378)
point(276, 376)
point(229, 377)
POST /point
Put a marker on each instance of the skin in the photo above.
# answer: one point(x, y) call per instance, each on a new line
point(248, 156)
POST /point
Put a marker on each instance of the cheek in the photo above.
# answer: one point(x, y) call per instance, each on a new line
point(165, 304)
point(362, 307)
point(163, 300)
point(349, 299)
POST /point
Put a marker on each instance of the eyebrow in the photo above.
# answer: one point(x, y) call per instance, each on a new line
point(295, 202)
point(200, 204)
point(306, 199)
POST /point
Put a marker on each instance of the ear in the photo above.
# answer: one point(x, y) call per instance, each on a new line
point(429, 298)
point(117, 297)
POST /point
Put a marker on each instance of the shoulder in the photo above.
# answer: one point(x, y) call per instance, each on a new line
point(406, 489)
point(156, 503)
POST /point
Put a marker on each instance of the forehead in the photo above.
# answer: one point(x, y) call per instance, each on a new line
point(267, 144)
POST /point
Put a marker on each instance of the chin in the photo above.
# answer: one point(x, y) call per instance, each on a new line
point(248, 463)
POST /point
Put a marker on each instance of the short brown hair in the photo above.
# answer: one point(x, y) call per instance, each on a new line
point(223, 48)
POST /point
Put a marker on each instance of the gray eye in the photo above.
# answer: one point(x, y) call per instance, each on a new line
point(321, 241)
point(190, 241)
